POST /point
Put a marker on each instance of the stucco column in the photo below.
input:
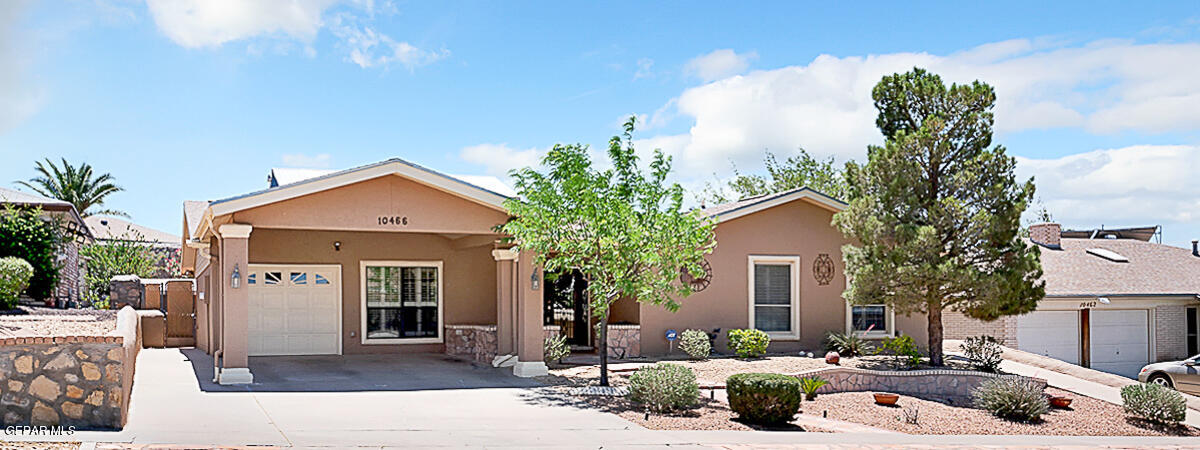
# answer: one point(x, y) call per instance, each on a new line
point(530, 330)
point(235, 254)
point(506, 261)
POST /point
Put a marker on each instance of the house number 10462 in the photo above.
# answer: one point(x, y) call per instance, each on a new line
point(393, 220)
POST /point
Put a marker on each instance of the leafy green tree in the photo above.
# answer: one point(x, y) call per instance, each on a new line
point(801, 170)
point(79, 186)
point(26, 234)
point(625, 230)
point(123, 255)
point(936, 212)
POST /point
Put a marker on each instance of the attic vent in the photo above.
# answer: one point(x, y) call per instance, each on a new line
point(1108, 254)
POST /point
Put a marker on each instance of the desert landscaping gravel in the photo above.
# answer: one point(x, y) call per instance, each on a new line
point(36, 321)
point(1086, 417)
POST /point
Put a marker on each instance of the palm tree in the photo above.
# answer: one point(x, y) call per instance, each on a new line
point(75, 185)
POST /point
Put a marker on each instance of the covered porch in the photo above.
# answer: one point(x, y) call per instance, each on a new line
point(389, 259)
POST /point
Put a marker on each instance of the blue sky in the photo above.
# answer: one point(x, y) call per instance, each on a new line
point(185, 100)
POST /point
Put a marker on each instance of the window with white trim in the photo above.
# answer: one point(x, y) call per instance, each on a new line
point(402, 301)
point(874, 320)
point(775, 295)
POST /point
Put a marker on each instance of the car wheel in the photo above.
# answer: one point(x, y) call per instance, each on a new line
point(1161, 380)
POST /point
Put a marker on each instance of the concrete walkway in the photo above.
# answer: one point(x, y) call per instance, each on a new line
point(170, 409)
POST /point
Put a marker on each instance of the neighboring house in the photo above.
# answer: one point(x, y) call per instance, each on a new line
point(163, 244)
point(75, 233)
point(1114, 301)
point(393, 258)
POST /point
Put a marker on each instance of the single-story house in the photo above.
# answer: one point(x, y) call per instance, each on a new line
point(75, 234)
point(393, 258)
point(1115, 301)
point(163, 244)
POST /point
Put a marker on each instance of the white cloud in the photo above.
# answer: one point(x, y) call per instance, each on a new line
point(719, 64)
point(19, 98)
point(370, 48)
point(318, 161)
point(288, 24)
point(645, 68)
point(498, 159)
point(826, 106)
point(210, 23)
point(1138, 185)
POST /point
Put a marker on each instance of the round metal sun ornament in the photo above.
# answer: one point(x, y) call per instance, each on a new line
point(823, 269)
point(697, 284)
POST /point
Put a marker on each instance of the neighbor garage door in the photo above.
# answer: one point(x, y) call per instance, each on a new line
point(1050, 333)
point(1120, 341)
point(294, 310)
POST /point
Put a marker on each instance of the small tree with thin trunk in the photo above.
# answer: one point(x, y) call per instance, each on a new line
point(936, 212)
point(623, 228)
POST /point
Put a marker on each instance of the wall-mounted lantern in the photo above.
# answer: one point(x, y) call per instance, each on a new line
point(337, 246)
point(235, 279)
point(534, 280)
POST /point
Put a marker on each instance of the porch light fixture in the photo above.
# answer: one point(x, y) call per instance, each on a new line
point(235, 279)
point(534, 280)
point(337, 246)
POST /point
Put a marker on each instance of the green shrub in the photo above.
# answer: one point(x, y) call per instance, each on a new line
point(555, 348)
point(1153, 402)
point(1019, 399)
point(810, 385)
point(664, 387)
point(14, 279)
point(984, 352)
point(903, 351)
point(120, 256)
point(764, 398)
point(24, 234)
point(749, 343)
point(847, 344)
point(695, 344)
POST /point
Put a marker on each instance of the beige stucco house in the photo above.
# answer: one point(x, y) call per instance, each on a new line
point(393, 258)
point(1115, 301)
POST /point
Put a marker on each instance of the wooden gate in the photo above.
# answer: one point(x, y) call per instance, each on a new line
point(181, 314)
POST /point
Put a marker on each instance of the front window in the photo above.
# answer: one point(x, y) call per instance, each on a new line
point(869, 319)
point(774, 295)
point(402, 301)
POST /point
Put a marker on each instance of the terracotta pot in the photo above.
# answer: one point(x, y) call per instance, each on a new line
point(1060, 402)
point(832, 358)
point(886, 399)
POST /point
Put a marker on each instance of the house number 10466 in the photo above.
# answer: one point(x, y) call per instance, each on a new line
point(393, 220)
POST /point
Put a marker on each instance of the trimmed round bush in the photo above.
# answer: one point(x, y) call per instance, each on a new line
point(1154, 403)
point(555, 348)
point(1019, 399)
point(764, 398)
point(15, 274)
point(695, 344)
point(749, 343)
point(664, 387)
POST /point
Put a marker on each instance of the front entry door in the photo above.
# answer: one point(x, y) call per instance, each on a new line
point(566, 307)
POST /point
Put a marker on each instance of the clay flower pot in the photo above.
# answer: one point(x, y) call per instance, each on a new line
point(886, 399)
point(832, 358)
point(1060, 402)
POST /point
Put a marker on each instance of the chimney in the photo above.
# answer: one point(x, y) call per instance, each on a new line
point(1195, 247)
point(1046, 234)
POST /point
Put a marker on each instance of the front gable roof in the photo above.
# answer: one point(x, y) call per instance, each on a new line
point(394, 166)
point(732, 210)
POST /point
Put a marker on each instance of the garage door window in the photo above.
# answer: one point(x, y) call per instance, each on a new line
point(403, 301)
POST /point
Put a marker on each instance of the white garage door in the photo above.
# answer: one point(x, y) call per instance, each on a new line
point(1050, 333)
point(294, 309)
point(1120, 341)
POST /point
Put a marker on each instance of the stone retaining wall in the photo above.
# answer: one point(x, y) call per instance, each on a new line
point(477, 342)
point(950, 386)
point(81, 381)
point(624, 341)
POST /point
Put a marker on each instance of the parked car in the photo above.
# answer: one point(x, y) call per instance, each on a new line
point(1183, 376)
